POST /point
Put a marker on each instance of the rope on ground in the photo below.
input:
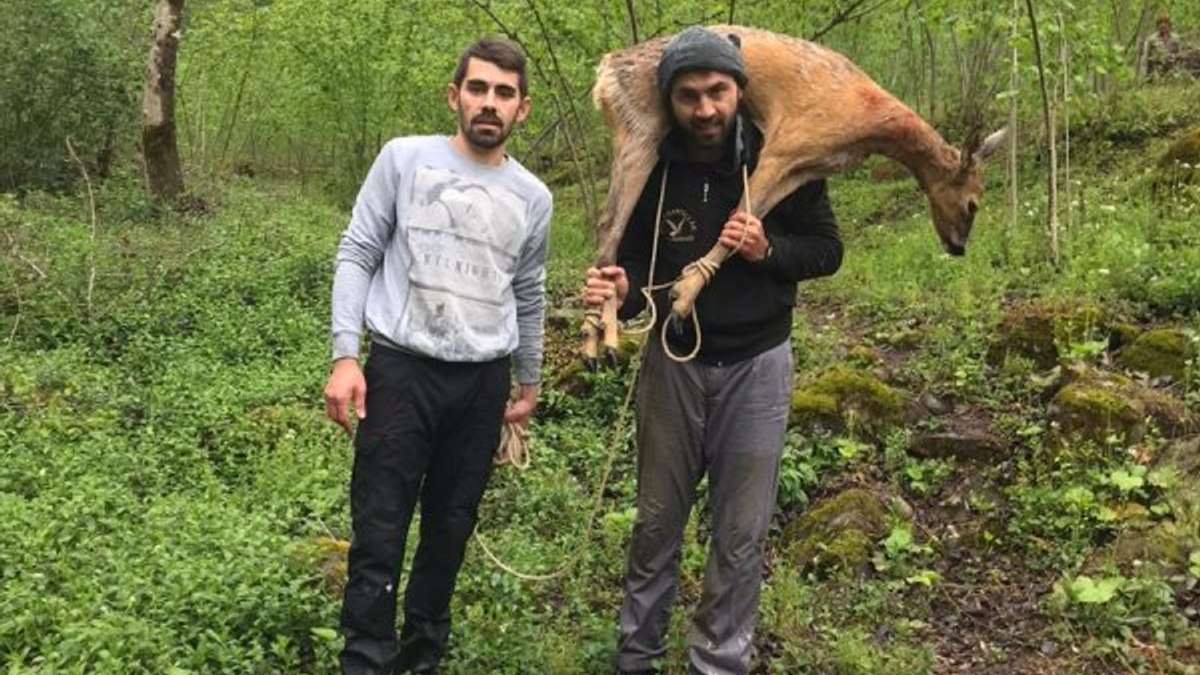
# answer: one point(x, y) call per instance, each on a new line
point(597, 499)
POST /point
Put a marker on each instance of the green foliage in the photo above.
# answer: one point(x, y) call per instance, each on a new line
point(166, 463)
point(843, 628)
point(809, 459)
point(1117, 608)
point(1067, 503)
point(143, 437)
point(904, 559)
point(69, 69)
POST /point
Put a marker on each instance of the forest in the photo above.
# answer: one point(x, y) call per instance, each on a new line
point(992, 464)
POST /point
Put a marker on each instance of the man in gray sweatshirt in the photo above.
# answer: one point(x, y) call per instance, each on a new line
point(443, 264)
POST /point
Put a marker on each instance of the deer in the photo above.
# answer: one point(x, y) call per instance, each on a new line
point(820, 114)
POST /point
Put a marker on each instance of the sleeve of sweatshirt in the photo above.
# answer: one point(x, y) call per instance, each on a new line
point(361, 249)
point(805, 240)
point(529, 291)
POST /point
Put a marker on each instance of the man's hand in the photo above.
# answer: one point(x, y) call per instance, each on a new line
point(744, 234)
point(604, 283)
point(520, 409)
point(346, 387)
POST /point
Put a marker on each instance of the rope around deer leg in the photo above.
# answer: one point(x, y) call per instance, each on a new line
point(706, 267)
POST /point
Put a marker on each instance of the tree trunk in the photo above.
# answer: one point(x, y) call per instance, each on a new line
point(1014, 88)
point(158, 104)
point(1051, 132)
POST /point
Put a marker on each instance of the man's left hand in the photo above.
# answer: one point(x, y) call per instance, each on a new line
point(744, 234)
point(520, 409)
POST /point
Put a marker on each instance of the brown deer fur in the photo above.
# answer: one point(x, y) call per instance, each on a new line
point(819, 114)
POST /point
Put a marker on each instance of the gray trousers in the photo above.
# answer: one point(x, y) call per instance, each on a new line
point(727, 421)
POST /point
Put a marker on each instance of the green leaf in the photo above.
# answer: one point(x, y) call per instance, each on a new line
point(1089, 591)
point(898, 541)
point(327, 634)
point(1126, 481)
point(924, 578)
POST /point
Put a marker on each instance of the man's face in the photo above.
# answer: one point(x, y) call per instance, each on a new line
point(489, 104)
point(704, 103)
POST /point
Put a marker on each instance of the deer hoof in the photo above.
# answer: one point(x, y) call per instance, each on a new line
point(611, 360)
point(677, 322)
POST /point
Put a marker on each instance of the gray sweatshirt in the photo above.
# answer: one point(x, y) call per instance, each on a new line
point(445, 257)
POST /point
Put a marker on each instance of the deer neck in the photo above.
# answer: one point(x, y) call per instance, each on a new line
point(904, 137)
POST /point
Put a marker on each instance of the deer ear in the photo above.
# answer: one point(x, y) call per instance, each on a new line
point(990, 144)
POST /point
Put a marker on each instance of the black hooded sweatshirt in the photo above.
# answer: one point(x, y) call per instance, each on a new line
point(746, 308)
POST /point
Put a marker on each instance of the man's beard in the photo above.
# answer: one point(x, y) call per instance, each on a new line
point(485, 141)
point(721, 127)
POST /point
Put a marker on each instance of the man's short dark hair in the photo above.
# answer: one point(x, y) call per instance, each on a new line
point(504, 54)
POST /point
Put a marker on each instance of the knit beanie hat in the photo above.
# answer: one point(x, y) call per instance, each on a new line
point(698, 48)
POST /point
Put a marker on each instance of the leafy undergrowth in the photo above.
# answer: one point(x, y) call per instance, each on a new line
point(172, 500)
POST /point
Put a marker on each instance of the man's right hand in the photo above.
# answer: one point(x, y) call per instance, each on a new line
point(346, 387)
point(604, 283)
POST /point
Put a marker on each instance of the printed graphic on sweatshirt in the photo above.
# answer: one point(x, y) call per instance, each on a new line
point(465, 238)
point(679, 226)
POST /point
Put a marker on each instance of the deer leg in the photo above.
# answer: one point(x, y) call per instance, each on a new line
point(600, 330)
point(608, 318)
point(692, 280)
point(630, 170)
point(589, 337)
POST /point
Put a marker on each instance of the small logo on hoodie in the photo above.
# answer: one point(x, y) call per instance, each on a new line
point(680, 226)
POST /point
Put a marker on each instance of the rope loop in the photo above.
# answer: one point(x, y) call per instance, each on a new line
point(514, 447)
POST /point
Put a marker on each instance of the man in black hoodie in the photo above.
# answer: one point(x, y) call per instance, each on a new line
point(723, 413)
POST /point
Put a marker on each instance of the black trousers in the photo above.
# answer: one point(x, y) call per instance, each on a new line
point(430, 432)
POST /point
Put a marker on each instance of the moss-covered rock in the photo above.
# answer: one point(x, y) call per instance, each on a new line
point(1162, 548)
point(1095, 405)
point(1180, 164)
point(1037, 331)
point(1121, 334)
point(839, 533)
point(328, 558)
point(1183, 494)
point(1184, 457)
point(843, 398)
point(1095, 410)
point(1158, 353)
point(863, 355)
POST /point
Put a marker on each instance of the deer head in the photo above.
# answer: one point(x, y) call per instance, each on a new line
point(954, 199)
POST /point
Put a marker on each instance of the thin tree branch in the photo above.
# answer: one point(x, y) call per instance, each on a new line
point(846, 14)
point(91, 285)
point(16, 253)
point(633, 22)
point(1048, 119)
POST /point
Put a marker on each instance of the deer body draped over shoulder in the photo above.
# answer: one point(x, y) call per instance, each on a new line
point(819, 114)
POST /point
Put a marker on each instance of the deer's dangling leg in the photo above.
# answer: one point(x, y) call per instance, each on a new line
point(693, 278)
point(608, 318)
point(589, 335)
point(600, 331)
